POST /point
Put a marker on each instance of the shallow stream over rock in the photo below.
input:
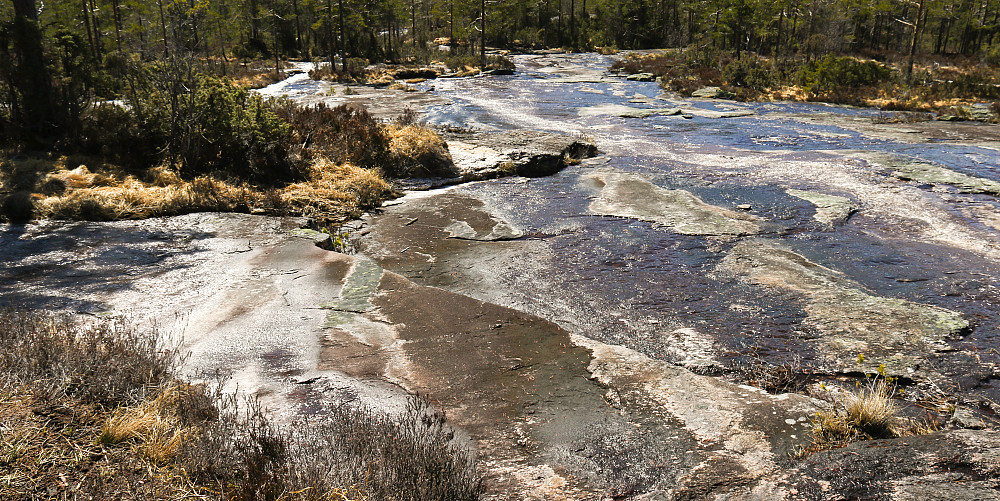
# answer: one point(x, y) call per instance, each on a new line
point(639, 242)
point(589, 332)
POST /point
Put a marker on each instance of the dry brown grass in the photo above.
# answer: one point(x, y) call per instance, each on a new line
point(164, 439)
point(419, 151)
point(331, 193)
point(868, 413)
point(156, 426)
point(135, 199)
point(335, 192)
point(49, 450)
point(259, 80)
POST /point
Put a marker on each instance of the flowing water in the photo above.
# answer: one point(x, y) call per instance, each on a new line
point(615, 267)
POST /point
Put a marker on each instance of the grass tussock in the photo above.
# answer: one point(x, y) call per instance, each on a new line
point(335, 192)
point(92, 410)
point(419, 151)
point(867, 413)
point(162, 424)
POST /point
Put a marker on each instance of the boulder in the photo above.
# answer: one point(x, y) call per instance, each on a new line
point(713, 93)
point(412, 73)
point(525, 153)
point(641, 77)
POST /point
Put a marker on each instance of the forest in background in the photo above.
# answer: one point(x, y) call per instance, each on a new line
point(95, 49)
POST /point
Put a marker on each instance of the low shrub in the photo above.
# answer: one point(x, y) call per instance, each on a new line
point(833, 74)
point(107, 362)
point(498, 62)
point(211, 126)
point(343, 134)
point(407, 457)
point(91, 410)
point(750, 72)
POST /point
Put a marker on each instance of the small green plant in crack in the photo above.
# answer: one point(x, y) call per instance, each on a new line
point(341, 240)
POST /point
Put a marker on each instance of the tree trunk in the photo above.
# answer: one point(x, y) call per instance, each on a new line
point(298, 28)
point(777, 40)
point(413, 21)
point(86, 24)
point(97, 31)
point(118, 24)
point(343, 41)
point(329, 37)
point(33, 107)
point(572, 24)
point(163, 27)
point(482, 33)
point(917, 25)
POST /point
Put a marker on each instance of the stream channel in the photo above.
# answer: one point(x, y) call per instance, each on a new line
point(718, 234)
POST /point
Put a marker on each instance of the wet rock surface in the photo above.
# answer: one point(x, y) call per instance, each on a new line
point(551, 415)
point(767, 236)
point(850, 320)
point(680, 210)
point(960, 464)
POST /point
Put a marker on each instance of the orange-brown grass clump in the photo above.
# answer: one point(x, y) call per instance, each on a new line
point(419, 152)
point(257, 80)
point(335, 192)
point(331, 193)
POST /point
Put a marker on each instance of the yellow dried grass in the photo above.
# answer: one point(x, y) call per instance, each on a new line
point(330, 192)
point(154, 425)
point(134, 199)
point(336, 190)
point(413, 141)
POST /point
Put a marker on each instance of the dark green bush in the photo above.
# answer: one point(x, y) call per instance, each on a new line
point(979, 83)
point(200, 123)
point(134, 141)
point(750, 72)
point(833, 74)
point(343, 134)
point(234, 131)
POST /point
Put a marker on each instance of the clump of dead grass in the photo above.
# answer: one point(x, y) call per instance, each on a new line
point(135, 199)
point(331, 193)
point(161, 425)
point(340, 156)
point(259, 79)
point(60, 379)
point(867, 413)
point(418, 152)
point(335, 192)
